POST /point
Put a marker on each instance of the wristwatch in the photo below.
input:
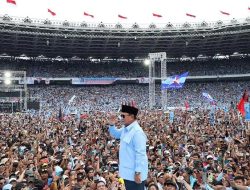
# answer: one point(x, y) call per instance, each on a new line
point(137, 173)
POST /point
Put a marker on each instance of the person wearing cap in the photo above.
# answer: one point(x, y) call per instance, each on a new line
point(7, 187)
point(31, 182)
point(101, 184)
point(80, 180)
point(21, 186)
point(2, 181)
point(160, 180)
point(133, 160)
point(170, 185)
point(13, 181)
point(153, 186)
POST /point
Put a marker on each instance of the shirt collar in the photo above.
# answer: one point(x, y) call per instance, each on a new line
point(129, 127)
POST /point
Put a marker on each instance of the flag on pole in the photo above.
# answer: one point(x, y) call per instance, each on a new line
point(51, 12)
point(241, 106)
point(87, 14)
point(190, 15)
point(171, 116)
point(72, 99)
point(122, 17)
point(157, 15)
point(174, 82)
point(225, 13)
point(186, 105)
point(209, 98)
point(12, 2)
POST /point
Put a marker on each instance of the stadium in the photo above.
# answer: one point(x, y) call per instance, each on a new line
point(62, 82)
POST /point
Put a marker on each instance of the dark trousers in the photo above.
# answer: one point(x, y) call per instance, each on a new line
point(131, 185)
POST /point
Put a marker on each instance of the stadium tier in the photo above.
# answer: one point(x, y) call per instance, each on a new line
point(87, 68)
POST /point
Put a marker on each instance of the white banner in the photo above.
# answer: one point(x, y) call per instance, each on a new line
point(30, 80)
point(47, 81)
point(143, 80)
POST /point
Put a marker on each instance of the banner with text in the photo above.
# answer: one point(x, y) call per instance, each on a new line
point(93, 81)
point(30, 80)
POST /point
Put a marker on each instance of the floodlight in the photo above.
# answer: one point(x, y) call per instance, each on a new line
point(147, 62)
point(7, 74)
point(7, 81)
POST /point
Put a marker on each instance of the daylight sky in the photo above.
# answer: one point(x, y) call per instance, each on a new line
point(139, 11)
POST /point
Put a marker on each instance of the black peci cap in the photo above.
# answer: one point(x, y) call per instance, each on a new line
point(129, 109)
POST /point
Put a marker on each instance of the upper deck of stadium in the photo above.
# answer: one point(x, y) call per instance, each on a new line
point(35, 37)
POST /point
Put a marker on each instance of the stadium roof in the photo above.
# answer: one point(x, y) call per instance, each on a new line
point(139, 11)
point(34, 37)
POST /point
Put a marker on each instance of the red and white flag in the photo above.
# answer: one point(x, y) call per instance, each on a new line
point(157, 15)
point(122, 17)
point(51, 12)
point(190, 15)
point(87, 14)
point(186, 105)
point(225, 13)
point(12, 2)
point(241, 105)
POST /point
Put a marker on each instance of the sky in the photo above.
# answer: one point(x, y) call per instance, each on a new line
point(139, 11)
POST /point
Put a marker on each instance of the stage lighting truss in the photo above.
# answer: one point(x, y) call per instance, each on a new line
point(12, 81)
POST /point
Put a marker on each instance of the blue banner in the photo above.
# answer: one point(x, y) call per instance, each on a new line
point(171, 116)
point(247, 111)
point(174, 82)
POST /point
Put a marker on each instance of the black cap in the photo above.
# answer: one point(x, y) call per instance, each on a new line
point(170, 182)
point(189, 171)
point(20, 185)
point(129, 110)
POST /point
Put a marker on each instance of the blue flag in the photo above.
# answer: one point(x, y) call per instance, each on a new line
point(247, 111)
point(171, 117)
point(174, 82)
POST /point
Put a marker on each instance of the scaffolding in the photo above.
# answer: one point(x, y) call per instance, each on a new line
point(153, 57)
point(13, 88)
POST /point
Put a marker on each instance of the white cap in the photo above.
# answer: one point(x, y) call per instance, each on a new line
point(3, 161)
point(101, 179)
point(159, 174)
point(12, 179)
point(7, 187)
point(210, 156)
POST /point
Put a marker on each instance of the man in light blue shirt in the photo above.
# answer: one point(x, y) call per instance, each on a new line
point(133, 161)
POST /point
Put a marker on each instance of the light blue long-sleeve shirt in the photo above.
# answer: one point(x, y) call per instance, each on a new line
point(132, 154)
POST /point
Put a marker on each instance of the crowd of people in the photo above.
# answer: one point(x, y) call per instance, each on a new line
point(86, 68)
point(108, 98)
point(66, 145)
point(193, 151)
